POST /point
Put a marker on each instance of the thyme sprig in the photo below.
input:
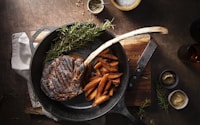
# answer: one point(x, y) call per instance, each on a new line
point(74, 37)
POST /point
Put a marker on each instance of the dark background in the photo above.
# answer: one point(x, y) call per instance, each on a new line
point(29, 15)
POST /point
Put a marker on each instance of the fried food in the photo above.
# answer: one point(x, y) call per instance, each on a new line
point(100, 100)
point(104, 79)
point(92, 84)
point(102, 84)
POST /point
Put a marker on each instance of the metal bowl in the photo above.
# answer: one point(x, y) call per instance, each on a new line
point(178, 99)
point(95, 6)
point(169, 79)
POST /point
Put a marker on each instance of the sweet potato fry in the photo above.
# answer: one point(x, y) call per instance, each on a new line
point(92, 84)
point(103, 70)
point(98, 72)
point(108, 67)
point(89, 91)
point(105, 93)
point(113, 69)
point(114, 75)
point(92, 95)
point(100, 100)
point(111, 92)
point(114, 63)
point(102, 85)
point(94, 76)
point(109, 56)
point(97, 65)
point(108, 85)
point(116, 82)
point(105, 51)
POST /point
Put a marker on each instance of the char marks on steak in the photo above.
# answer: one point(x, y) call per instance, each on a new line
point(61, 78)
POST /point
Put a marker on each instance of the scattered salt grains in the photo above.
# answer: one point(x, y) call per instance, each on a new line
point(79, 3)
point(83, 13)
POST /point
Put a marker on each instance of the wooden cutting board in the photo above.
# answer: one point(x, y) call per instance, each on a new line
point(134, 47)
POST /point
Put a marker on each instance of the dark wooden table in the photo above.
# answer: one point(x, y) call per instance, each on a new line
point(29, 15)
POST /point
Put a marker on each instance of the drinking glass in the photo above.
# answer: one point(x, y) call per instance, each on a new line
point(190, 53)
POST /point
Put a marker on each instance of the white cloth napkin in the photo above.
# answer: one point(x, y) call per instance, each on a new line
point(21, 52)
point(20, 62)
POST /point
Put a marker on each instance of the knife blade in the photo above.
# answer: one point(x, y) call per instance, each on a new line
point(143, 61)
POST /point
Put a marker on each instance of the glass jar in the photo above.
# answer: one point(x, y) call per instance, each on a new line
point(190, 53)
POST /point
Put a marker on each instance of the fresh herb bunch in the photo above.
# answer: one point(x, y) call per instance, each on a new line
point(141, 111)
point(74, 37)
point(162, 98)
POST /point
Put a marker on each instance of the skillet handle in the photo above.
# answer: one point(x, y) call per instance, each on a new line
point(37, 33)
point(121, 108)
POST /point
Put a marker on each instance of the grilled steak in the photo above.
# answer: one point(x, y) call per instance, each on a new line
point(61, 78)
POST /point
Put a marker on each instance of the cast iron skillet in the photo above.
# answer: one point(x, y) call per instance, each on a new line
point(78, 109)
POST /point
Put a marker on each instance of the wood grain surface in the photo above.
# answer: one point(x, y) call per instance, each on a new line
point(134, 47)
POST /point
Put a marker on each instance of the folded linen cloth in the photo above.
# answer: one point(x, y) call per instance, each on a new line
point(20, 62)
point(20, 51)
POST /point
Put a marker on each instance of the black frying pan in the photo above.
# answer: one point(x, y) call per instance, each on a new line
point(78, 109)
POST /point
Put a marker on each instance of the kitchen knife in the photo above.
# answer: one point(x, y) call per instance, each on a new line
point(143, 61)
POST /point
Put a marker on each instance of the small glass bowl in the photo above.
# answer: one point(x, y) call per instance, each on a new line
point(169, 79)
point(178, 99)
point(95, 6)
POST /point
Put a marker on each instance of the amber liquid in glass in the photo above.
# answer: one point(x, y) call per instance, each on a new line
point(194, 53)
point(190, 53)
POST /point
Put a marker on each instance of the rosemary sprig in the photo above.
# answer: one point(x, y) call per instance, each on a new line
point(74, 37)
point(162, 98)
point(141, 110)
